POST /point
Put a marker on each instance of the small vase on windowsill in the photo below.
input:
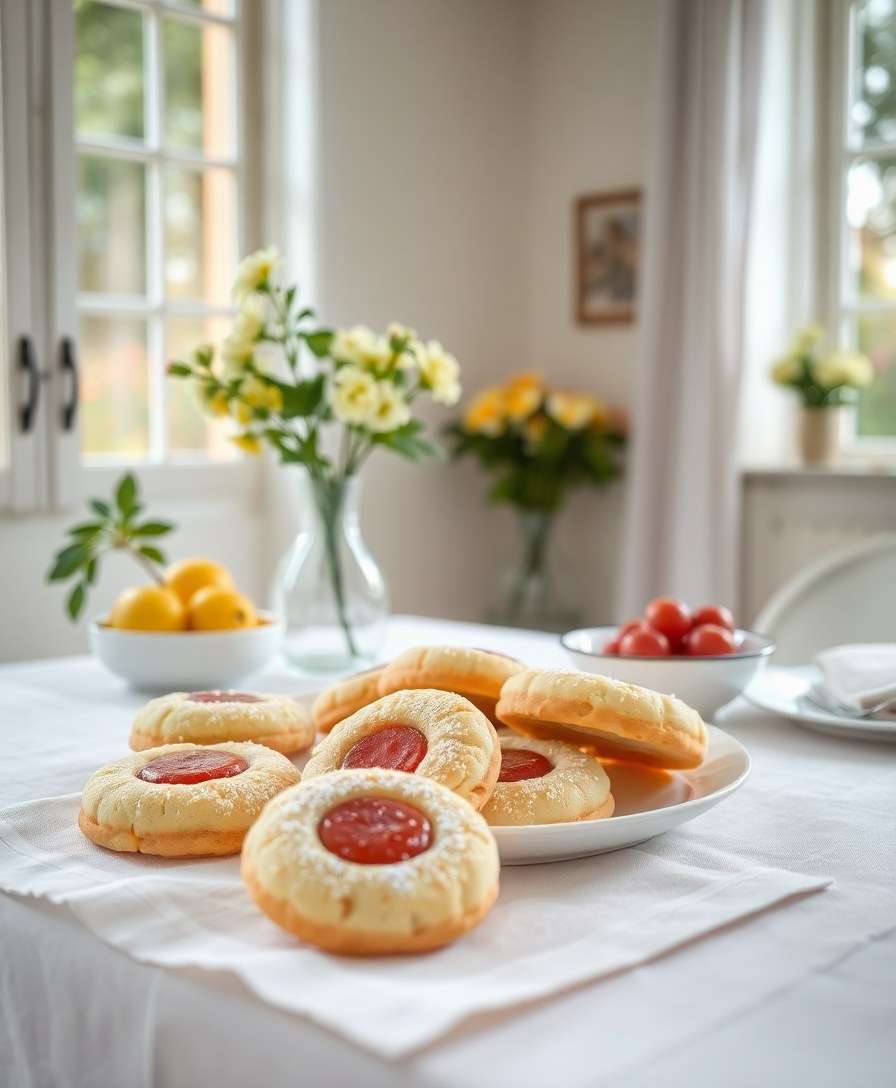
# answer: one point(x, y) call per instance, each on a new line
point(531, 595)
point(819, 430)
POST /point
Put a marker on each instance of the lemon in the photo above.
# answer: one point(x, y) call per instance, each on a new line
point(148, 608)
point(188, 576)
point(217, 608)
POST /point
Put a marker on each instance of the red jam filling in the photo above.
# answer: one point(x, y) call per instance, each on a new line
point(188, 768)
point(375, 831)
point(223, 697)
point(518, 764)
point(397, 747)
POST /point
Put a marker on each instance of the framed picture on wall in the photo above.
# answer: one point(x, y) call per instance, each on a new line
point(607, 235)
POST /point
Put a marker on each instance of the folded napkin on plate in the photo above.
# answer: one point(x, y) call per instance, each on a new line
point(860, 675)
point(554, 926)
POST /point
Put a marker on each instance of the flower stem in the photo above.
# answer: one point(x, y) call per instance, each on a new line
point(147, 564)
point(329, 502)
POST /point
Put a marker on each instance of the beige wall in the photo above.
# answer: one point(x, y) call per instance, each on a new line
point(454, 136)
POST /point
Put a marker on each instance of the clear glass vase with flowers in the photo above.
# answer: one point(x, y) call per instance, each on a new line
point(538, 443)
point(324, 400)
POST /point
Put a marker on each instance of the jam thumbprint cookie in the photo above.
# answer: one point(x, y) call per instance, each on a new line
point(345, 697)
point(434, 734)
point(371, 862)
point(475, 674)
point(208, 717)
point(604, 716)
point(181, 801)
point(547, 782)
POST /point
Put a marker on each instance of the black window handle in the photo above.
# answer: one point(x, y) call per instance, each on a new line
point(28, 366)
point(69, 365)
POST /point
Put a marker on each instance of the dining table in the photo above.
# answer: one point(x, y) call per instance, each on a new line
point(796, 986)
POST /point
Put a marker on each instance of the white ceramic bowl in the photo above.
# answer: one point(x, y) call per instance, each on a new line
point(705, 683)
point(186, 660)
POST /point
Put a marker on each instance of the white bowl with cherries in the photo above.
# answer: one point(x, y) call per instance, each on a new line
point(699, 654)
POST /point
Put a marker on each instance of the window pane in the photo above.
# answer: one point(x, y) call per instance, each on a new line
point(189, 429)
point(219, 7)
point(200, 233)
point(108, 70)
point(877, 403)
point(199, 87)
point(111, 225)
point(115, 386)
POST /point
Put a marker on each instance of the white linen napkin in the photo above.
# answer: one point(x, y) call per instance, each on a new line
point(554, 926)
point(860, 675)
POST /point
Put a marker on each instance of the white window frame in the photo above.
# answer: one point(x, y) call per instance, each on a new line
point(46, 467)
point(841, 311)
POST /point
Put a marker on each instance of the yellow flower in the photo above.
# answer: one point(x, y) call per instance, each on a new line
point(236, 355)
point(520, 401)
point(242, 412)
point(392, 409)
point(259, 394)
point(806, 339)
point(528, 379)
point(786, 370)
point(354, 396)
point(534, 429)
point(397, 331)
point(248, 443)
point(571, 410)
point(254, 272)
point(249, 322)
point(600, 414)
point(486, 413)
point(843, 368)
point(440, 373)
point(217, 403)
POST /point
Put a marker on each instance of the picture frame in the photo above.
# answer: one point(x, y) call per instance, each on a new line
point(607, 229)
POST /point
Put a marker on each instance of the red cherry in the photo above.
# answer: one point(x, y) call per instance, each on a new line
point(716, 614)
point(612, 647)
point(710, 640)
point(669, 616)
point(644, 641)
point(629, 625)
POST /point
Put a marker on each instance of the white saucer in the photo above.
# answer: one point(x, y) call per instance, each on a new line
point(783, 691)
point(648, 803)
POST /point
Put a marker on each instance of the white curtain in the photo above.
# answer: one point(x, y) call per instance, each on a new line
point(682, 516)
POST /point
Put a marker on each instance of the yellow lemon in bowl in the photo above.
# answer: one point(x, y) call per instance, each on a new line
point(188, 576)
point(148, 608)
point(218, 608)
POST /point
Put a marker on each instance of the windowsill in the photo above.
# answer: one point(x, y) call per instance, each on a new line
point(846, 469)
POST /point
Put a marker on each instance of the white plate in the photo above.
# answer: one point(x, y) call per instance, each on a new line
point(783, 691)
point(648, 803)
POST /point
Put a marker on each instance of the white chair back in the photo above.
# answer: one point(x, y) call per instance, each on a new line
point(848, 596)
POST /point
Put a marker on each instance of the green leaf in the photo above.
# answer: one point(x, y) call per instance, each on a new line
point(126, 495)
point(76, 601)
point(68, 561)
point(90, 571)
point(407, 442)
point(102, 508)
point(152, 528)
point(86, 529)
point(152, 553)
point(179, 370)
point(319, 342)
point(301, 399)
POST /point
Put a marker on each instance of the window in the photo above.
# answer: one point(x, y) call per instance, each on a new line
point(157, 185)
point(863, 287)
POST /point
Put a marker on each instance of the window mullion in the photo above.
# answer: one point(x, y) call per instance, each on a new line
point(155, 249)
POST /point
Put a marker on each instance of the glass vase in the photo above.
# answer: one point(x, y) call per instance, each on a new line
point(328, 586)
point(531, 593)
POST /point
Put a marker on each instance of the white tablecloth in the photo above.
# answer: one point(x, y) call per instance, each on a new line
point(800, 995)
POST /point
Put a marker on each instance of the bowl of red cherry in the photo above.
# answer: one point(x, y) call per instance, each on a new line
point(697, 654)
